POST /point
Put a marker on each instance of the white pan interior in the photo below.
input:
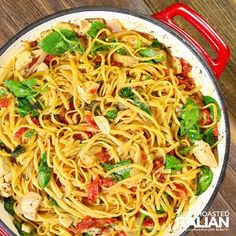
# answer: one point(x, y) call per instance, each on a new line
point(179, 49)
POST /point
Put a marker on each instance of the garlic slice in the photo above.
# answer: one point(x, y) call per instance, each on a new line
point(102, 124)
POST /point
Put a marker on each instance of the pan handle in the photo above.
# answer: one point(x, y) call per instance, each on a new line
point(222, 51)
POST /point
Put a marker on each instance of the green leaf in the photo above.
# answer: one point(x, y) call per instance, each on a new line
point(60, 41)
point(53, 202)
point(207, 100)
point(149, 52)
point(126, 92)
point(99, 48)
point(2, 93)
point(18, 226)
point(189, 116)
point(139, 228)
point(120, 174)
point(141, 105)
point(86, 234)
point(185, 150)
point(21, 89)
point(122, 51)
point(204, 179)
point(173, 163)
point(156, 44)
point(18, 151)
point(25, 107)
point(8, 205)
point(208, 136)
point(30, 133)
point(161, 210)
point(138, 44)
point(95, 27)
point(112, 114)
point(44, 173)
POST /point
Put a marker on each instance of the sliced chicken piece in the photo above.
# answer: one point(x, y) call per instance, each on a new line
point(29, 205)
point(66, 221)
point(27, 228)
point(102, 124)
point(88, 92)
point(23, 59)
point(202, 151)
point(115, 25)
point(5, 177)
point(127, 61)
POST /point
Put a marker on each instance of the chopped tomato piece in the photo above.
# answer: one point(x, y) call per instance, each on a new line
point(71, 106)
point(186, 67)
point(90, 134)
point(108, 182)
point(180, 191)
point(78, 137)
point(48, 59)
point(188, 82)
point(34, 60)
point(33, 43)
point(158, 164)
point(143, 158)
point(163, 219)
point(4, 102)
point(20, 132)
point(35, 121)
point(92, 91)
point(97, 59)
point(206, 117)
point(103, 155)
point(89, 222)
point(161, 178)
point(122, 233)
point(116, 63)
point(148, 223)
point(133, 189)
point(90, 121)
point(93, 190)
point(215, 131)
point(172, 152)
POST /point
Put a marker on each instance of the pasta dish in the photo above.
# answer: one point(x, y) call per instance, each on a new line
point(102, 132)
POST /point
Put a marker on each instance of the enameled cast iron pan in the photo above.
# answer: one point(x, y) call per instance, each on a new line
point(161, 25)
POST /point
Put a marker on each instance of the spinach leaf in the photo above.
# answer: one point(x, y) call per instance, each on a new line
point(141, 105)
point(21, 89)
point(173, 163)
point(99, 48)
point(30, 133)
point(122, 51)
point(161, 210)
point(185, 150)
point(139, 228)
point(18, 226)
point(18, 151)
point(204, 179)
point(53, 202)
point(25, 107)
point(2, 93)
point(189, 116)
point(112, 114)
point(149, 52)
point(44, 173)
point(126, 92)
point(156, 44)
point(208, 136)
point(95, 27)
point(8, 205)
point(120, 174)
point(207, 100)
point(61, 41)
point(86, 234)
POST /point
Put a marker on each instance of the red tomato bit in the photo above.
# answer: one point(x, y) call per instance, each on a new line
point(158, 164)
point(20, 132)
point(215, 131)
point(93, 190)
point(180, 191)
point(107, 182)
point(35, 121)
point(4, 102)
point(34, 60)
point(48, 59)
point(90, 121)
point(103, 155)
point(186, 67)
point(206, 117)
point(122, 233)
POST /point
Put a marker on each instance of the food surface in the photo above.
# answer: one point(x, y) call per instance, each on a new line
point(102, 132)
